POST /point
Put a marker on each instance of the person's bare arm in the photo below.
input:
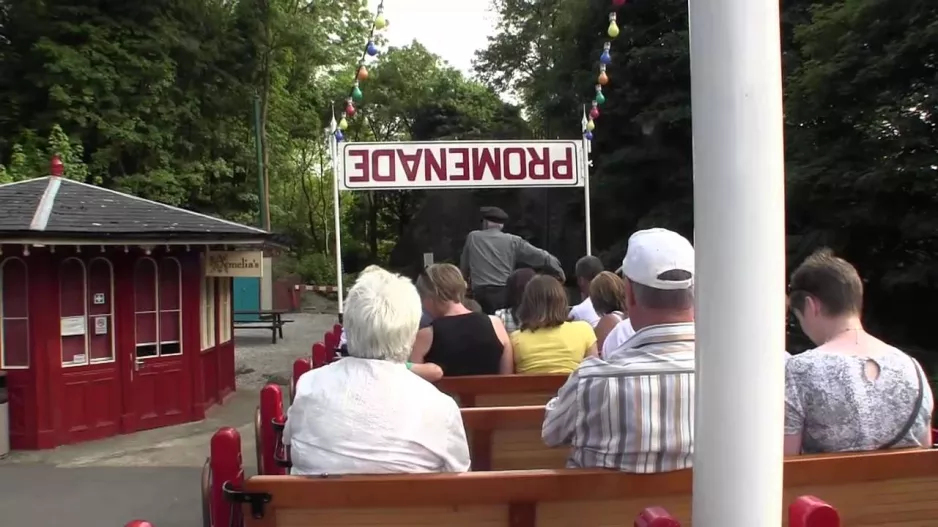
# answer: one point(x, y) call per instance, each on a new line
point(421, 345)
point(507, 365)
point(792, 444)
point(605, 326)
point(592, 351)
point(427, 371)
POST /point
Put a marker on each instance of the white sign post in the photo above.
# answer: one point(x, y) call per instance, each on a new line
point(454, 165)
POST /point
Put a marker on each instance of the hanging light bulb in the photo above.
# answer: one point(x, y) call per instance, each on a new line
point(380, 21)
point(349, 108)
point(594, 111)
point(613, 30)
point(600, 98)
point(606, 58)
point(343, 123)
point(357, 93)
point(362, 72)
point(603, 78)
point(618, 3)
point(339, 136)
point(590, 126)
point(371, 49)
point(588, 135)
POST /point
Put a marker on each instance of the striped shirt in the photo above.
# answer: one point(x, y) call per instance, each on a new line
point(633, 411)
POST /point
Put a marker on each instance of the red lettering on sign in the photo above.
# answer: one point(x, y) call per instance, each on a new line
point(563, 168)
point(361, 168)
point(486, 159)
point(434, 164)
point(376, 158)
point(538, 167)
point(410, 163)
point(521, 171)
point(461, 164)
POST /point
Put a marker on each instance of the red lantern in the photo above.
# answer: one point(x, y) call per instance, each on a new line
point(594, 113)
point(618, 3)
point(350, 110)
point(56, 168)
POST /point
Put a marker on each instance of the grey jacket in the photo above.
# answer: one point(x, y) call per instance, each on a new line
point(490, 256)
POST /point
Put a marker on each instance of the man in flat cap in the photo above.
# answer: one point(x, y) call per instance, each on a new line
point(490, 256)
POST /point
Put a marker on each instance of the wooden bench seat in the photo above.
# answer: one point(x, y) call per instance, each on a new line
point(501, 390)
point(893, 488)
point(501, 438)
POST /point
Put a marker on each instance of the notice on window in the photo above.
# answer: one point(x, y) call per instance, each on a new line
point(72, 326)
point(100, 325)
point(98, 299)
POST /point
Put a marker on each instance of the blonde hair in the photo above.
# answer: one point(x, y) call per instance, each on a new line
point(543, 305)
point(442, 282)
point(607, 293)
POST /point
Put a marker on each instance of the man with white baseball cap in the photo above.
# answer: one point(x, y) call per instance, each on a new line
point(648, 379)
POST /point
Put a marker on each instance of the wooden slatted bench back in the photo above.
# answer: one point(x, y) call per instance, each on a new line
point(881, 489)
point(501, 390)
point(509, 438)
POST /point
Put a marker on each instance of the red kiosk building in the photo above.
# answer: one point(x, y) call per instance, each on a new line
point(108, 322)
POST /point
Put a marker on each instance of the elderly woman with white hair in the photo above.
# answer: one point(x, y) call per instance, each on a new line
point(367, 413)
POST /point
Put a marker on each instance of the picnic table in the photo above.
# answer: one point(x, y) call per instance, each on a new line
point(271, 319)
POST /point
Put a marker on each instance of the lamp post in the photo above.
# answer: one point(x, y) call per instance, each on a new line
point(739, 219)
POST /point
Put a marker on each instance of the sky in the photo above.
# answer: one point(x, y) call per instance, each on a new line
point(452, 29)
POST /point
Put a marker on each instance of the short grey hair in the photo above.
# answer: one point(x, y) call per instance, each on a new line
point(668, 300)
point(382, 315)
point(488, 224)
point(589, 267)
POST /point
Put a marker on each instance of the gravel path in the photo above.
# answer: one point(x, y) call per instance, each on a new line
point(258, 362)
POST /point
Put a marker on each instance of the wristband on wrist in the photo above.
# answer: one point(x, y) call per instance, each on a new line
point(410, 365)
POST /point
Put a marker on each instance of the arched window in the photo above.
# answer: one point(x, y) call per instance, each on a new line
point(100, 311)
point(170, 307)
point(145, 308)
point(73, 290)
point(158, 307)
point(14, 314)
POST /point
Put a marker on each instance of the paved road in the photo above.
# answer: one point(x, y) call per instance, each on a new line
point(48, 496)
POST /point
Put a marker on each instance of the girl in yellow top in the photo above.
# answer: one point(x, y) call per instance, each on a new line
point(547, 342)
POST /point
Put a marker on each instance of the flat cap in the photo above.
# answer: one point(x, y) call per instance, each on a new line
point(494, 214)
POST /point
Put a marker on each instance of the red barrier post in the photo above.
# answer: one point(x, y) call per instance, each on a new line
point(656, 517)
point(331, 342)
point(139, 523)
point(271, 408)
point(337, 329)
point(300, 366)
point(226, 467)
point(810, 511)
point(321, 355)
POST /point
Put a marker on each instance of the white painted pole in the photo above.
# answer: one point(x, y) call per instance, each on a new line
point(739, 212)
point(585, 167)
point(336, 210)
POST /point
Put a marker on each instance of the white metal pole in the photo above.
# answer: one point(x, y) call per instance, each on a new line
point(585, 167)
point(336, 210)
point(739, 211)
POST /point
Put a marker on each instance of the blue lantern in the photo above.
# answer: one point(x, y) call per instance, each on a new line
point(606, 58)
point(588, 136)
point(371, 49)
point(339, 136)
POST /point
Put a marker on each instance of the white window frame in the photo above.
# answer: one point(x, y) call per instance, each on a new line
point(4, 318)
point(84, 313)
point(208, 313)
point(224, 310)
point(89, 325)
point(156, 295)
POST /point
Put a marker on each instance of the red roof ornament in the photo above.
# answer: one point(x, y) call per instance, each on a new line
point(56, 168)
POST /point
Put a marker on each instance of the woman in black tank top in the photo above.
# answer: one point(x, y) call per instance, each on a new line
point(460, 341)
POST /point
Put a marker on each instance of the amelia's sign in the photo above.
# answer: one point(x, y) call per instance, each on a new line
point(462, 164)
point(242, 264)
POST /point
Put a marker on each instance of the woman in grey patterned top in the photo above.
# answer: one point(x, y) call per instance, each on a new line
point(515, 290)
point(853, 392)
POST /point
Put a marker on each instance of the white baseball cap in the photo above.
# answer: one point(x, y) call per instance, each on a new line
point(652, 252)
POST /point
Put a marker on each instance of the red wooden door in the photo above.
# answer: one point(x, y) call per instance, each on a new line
point(161, 387)
point(90, 398)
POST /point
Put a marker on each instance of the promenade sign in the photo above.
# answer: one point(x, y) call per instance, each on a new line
point(461, 165)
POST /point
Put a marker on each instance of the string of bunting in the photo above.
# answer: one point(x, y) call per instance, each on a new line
point(605, 58)
point(361, 75)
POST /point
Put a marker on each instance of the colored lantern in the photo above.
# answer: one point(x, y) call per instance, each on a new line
point(613, 30)
point(594, 112)
point(600, 98)
point(350, 108)
point(590, 126)
point(603, 78)
point(343, 124)
point(339, 136)
point(362, 73)
point(618, 3)
point(380, 22)
point(588, 135)
point(371, 49)
point(357, 93)
point(606, 58)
